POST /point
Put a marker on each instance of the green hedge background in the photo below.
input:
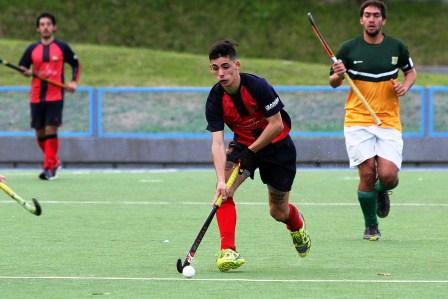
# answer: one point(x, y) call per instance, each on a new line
point(264, 28)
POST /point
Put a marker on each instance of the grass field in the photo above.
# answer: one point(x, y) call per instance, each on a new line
point(125, 66)
point(119, 234)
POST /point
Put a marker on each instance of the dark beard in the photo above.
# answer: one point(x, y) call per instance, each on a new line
point(372, 34)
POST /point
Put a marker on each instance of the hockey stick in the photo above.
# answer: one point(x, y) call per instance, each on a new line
point(189, 259)
point(327, 48)
point(32, 208)
point(49, 81)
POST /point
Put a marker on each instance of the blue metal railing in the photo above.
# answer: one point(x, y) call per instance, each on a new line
point(431, 124)
point(86, 90)
point(432, 93)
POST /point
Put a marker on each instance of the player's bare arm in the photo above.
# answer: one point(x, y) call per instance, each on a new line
point(219, 160)
point(338, 76)
point(72, 86)
point(248, 157)
point(26, 71)
point(274, 127)
point(409, 79)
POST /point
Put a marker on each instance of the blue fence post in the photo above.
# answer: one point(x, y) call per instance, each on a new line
point(94, 113)
point(432, 110)
point(428, 110)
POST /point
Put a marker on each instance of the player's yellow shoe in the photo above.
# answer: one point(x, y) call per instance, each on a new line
point(229, 259)
point(301, 241)
point(372, 233)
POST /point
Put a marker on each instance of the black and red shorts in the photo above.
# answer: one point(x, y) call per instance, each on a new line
point(46, 114)
point(276, 162)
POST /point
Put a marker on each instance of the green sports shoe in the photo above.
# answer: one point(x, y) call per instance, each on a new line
point(301, 241)
point(229, 259)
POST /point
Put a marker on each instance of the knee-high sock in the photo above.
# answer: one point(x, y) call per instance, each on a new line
point(367, 200)
point(295, 222)
point(226, 217)
point(51, 159)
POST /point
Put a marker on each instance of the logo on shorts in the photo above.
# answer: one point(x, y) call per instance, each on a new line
point(394, 60)
point(357, 61)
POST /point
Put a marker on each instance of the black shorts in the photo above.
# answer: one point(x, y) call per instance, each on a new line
point(46, 114)
point(276, 163)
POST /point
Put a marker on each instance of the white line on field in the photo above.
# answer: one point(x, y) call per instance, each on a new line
point(93, 278)
point(151, 181)
point(201, 203)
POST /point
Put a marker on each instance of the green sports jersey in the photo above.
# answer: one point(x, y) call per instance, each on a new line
point(371, 67)
point(374, 62)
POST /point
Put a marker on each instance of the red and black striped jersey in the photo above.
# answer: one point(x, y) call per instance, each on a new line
point(48, 61)
point(246, 111)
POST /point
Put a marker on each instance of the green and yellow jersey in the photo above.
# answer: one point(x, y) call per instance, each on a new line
point(372, 67)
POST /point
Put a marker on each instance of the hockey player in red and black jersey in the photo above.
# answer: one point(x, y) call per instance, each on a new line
point(47, 58)
point(249, 106)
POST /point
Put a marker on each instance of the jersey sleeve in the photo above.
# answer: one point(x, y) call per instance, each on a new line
point(214, 113)
point(26, 59)
point(266, 97)
point(404, 60)
point(71, 58)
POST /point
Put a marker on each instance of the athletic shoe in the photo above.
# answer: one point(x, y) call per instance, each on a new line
point(55, 171)
point(48, 175)
point(301, 239)
point(372, 233)
point(229, 259)
point(383, 204)
point(42, 175)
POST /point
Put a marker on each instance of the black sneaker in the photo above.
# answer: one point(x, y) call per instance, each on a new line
point(372, 233)
point(42, 176)
point(48, 175)
point(383, 204)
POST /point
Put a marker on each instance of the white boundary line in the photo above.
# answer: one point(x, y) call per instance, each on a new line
point(93, 278)
point(191, 203)
point(202, 203)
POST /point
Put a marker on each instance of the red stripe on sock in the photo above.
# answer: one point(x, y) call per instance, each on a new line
point(226, 217)
point(294, 222)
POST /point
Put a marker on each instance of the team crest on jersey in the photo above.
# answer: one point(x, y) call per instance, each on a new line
point(394, 60)
point(55, 58)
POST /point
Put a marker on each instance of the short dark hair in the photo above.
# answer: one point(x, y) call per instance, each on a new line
point(45, 15)
point(377, 3)
point(223, 48)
